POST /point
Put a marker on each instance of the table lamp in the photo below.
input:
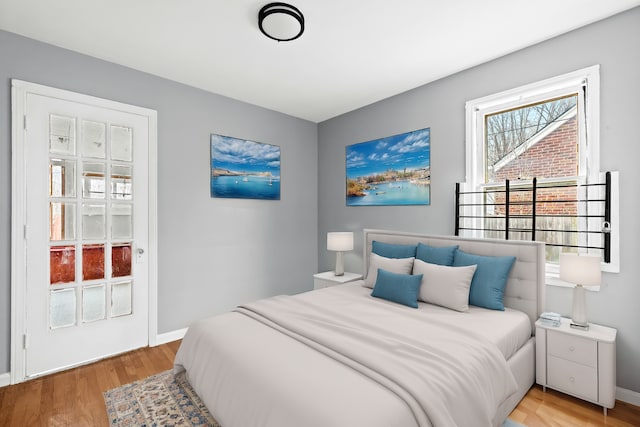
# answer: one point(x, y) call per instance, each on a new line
point(582, 270)
point(339, 241)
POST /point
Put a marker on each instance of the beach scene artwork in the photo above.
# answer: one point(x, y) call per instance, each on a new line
point(390, 171)
point(242, 169)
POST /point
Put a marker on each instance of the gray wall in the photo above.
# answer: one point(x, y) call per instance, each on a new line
point(213, 253)
point(615, 44)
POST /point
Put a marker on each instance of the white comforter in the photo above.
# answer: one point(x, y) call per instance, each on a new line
point(330, 358)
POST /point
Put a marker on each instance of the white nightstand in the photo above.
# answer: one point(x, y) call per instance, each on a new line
point(576, 362)
point(329, 278)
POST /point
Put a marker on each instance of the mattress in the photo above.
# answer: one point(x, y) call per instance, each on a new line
point(509, 330)
point(251, 374)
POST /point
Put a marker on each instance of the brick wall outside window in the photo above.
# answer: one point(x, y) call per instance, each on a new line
point(554, 156)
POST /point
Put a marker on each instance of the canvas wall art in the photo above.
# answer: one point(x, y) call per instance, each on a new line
point(244, 169)
point(390, 171)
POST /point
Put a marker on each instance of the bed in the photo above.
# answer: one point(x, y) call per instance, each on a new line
point(341, 357)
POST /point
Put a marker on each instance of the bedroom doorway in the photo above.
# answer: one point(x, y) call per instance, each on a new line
point(83, 269)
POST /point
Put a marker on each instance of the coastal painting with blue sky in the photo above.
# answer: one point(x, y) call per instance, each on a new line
point(244, 169)
point(390, 171)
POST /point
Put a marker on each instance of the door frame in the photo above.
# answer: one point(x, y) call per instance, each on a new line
point(19, 231)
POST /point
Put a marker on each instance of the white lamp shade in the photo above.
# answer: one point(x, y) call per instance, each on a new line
point(281, 26)
point(580, 269)
point(340, 241)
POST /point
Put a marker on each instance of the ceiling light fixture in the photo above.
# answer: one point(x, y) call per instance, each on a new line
point(281, 22)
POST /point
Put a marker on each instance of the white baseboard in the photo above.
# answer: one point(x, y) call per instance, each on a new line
point(170, 336)
point(5, 379)
point(628, 396)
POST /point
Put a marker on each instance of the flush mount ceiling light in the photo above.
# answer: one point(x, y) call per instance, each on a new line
point(281, 22)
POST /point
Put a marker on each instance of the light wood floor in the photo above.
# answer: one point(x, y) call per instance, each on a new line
point(74, 397)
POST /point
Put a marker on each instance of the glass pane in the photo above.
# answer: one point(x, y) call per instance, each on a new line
point(120, 299)
point(62, 217)
point(62, 264)
point(92, 262)
point(62, 135)
point(121, 139)
point(536, 140)
point(93, 221)
point(93, 182)
point(93, 302)
point(93, 139)
point(62, 308)
point(121, 260)
point(121, 182)
point(62, 178)
point(121, 221)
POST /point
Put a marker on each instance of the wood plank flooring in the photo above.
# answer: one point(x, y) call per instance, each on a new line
point(74, 397)
point(555, 409)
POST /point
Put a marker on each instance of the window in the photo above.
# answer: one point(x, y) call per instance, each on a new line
point(543, 135)
point(538, 140)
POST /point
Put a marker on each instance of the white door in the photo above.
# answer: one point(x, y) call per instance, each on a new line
point(86, 201)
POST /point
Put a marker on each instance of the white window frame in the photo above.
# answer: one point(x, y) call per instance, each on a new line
point(587, 81)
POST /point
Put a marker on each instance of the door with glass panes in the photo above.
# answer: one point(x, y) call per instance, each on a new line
point(87, 210)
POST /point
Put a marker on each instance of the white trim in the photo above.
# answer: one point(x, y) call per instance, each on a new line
point(628, 396)
point(170, 336)
point(530, 93)
point(19, 91)
point(153, 228)
point(18, 220)
point(588, 118)
point(5, 379)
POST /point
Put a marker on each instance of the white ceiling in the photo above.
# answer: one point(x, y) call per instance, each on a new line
point(352, 53)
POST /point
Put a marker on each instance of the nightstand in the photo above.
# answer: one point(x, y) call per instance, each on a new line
point(329, 278)
point(576, 362)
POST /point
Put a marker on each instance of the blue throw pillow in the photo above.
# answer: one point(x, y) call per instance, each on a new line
point(441, 255)
point(391, 250)
point(400, 288)
point(489, 280)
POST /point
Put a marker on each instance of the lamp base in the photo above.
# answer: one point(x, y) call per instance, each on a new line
point(339, 264)
point(579, 312)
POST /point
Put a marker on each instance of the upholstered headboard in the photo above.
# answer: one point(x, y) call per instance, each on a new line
point(525, 290)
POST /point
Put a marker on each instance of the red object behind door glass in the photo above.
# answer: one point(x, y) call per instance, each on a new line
point(62, 264)
point(121, 260)
point(92, 262)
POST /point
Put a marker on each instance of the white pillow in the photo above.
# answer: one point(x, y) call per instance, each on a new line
point(445, 286)
point(394, 265)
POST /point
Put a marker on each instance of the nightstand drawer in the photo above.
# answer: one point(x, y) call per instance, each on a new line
point(573, 348)
point(573, 378)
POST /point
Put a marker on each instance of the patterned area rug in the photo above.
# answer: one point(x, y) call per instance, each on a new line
point(160, 400)
point(164, 400)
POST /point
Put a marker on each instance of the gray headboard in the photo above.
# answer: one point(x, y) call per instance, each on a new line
point(525, 289)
